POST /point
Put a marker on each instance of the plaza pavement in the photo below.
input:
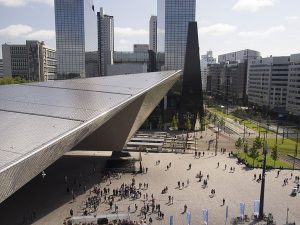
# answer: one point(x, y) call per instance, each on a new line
point(51, 203)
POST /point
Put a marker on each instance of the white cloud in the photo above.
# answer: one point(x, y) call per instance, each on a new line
point(261, 33)
point(18, 3)
point(128, 32)
point(292, 18)
point(252, 5)
point(42, 35)
point(15, 30)
point(218, 29)
point(25, 31)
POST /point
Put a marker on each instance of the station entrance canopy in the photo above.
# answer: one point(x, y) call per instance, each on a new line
point(42, 121)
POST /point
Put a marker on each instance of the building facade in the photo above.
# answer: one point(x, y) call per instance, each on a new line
point(1, 68)
point(268, 82)
point(153, 33)
point(293, 94)
point(206, 60)
point(76, 33)
point(105, 41)
point(32, 61)
point(140, 48)
point(172, 27)
point(239, 56)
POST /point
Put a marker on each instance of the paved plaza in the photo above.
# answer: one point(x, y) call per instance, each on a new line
point(51, 203)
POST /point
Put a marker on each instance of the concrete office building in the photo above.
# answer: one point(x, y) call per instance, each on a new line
point(126, 68)
point(140, 48)
point(204, 62)
point(32, 61)
point(105, 41)
point(1, 68)
point(268, 82)
point(172, 26)
point(153, 33)
point(293, 92)
point(213, 78)
point(76, 34)
point(239, 56)
point(92, 64)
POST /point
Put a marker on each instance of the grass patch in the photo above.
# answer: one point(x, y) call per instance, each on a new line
point(248, 124)
point(259, 161)
point(287, 147)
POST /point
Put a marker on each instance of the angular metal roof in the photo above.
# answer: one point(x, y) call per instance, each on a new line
point(37, 116)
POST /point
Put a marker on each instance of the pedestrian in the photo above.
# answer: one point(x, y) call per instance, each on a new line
point(184, 208)
point(188, 182)
point(218, 165)
point(71, 212)
point(223, 201)
point(128, 209)
point(172, 198)
point(150, 220)
point(225, 166)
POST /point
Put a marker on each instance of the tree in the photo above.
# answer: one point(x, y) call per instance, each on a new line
point(246, 149)
point(174, 123)
point(253, 154)
point(214, 118)
point(274, 154)
point(257, 143)
point(222, 122)
point(187, 124)
point(160, 123)
point(239, 143)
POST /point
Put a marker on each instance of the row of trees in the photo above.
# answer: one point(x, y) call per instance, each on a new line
point(254, 151)
point(10, 80)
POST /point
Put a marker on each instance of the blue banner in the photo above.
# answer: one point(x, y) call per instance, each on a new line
point(256, 207)
point(205, 216)
point(188, 217)
point(171, 220)
point(242, 209)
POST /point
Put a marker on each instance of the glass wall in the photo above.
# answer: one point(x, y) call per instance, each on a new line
point(76, 33)
point(173, 19)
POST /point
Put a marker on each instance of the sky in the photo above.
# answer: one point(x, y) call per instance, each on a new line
point(269, 26)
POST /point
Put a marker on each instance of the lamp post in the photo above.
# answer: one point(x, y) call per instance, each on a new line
point(262, 187)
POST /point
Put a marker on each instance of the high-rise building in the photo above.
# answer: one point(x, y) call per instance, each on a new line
point(76, 33)
point(239, 56)
point(153, 33)
point(293, 94)
point(268, 82)
point(172, 26)
point(32, 61)
point(140, 48)
point(1, 68)
point(206, 60)
point(105, 41)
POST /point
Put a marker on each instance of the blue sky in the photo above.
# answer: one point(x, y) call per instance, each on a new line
point(269, 26)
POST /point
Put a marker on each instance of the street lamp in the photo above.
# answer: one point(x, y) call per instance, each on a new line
point(262, 187)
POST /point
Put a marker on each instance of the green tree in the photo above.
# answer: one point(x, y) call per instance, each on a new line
point(246, 149)
point(239, 144)
point(214, 118)
point(222, 122)
point(274, 154)
point(174, 123)
point(160, 123)
point(188, 124)
point(253, 154)
point(257, 143)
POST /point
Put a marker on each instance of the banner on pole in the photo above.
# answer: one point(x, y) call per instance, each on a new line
point(242, 210)
point(171, 220)
point(256, 207)
point(205, 216)
point(188, 217)
point(226, 213)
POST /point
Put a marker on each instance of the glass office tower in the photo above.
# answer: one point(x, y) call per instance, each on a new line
point(173, 17)
point(76, 33)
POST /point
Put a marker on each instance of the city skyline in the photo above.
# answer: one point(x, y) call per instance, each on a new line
point(233, 25)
